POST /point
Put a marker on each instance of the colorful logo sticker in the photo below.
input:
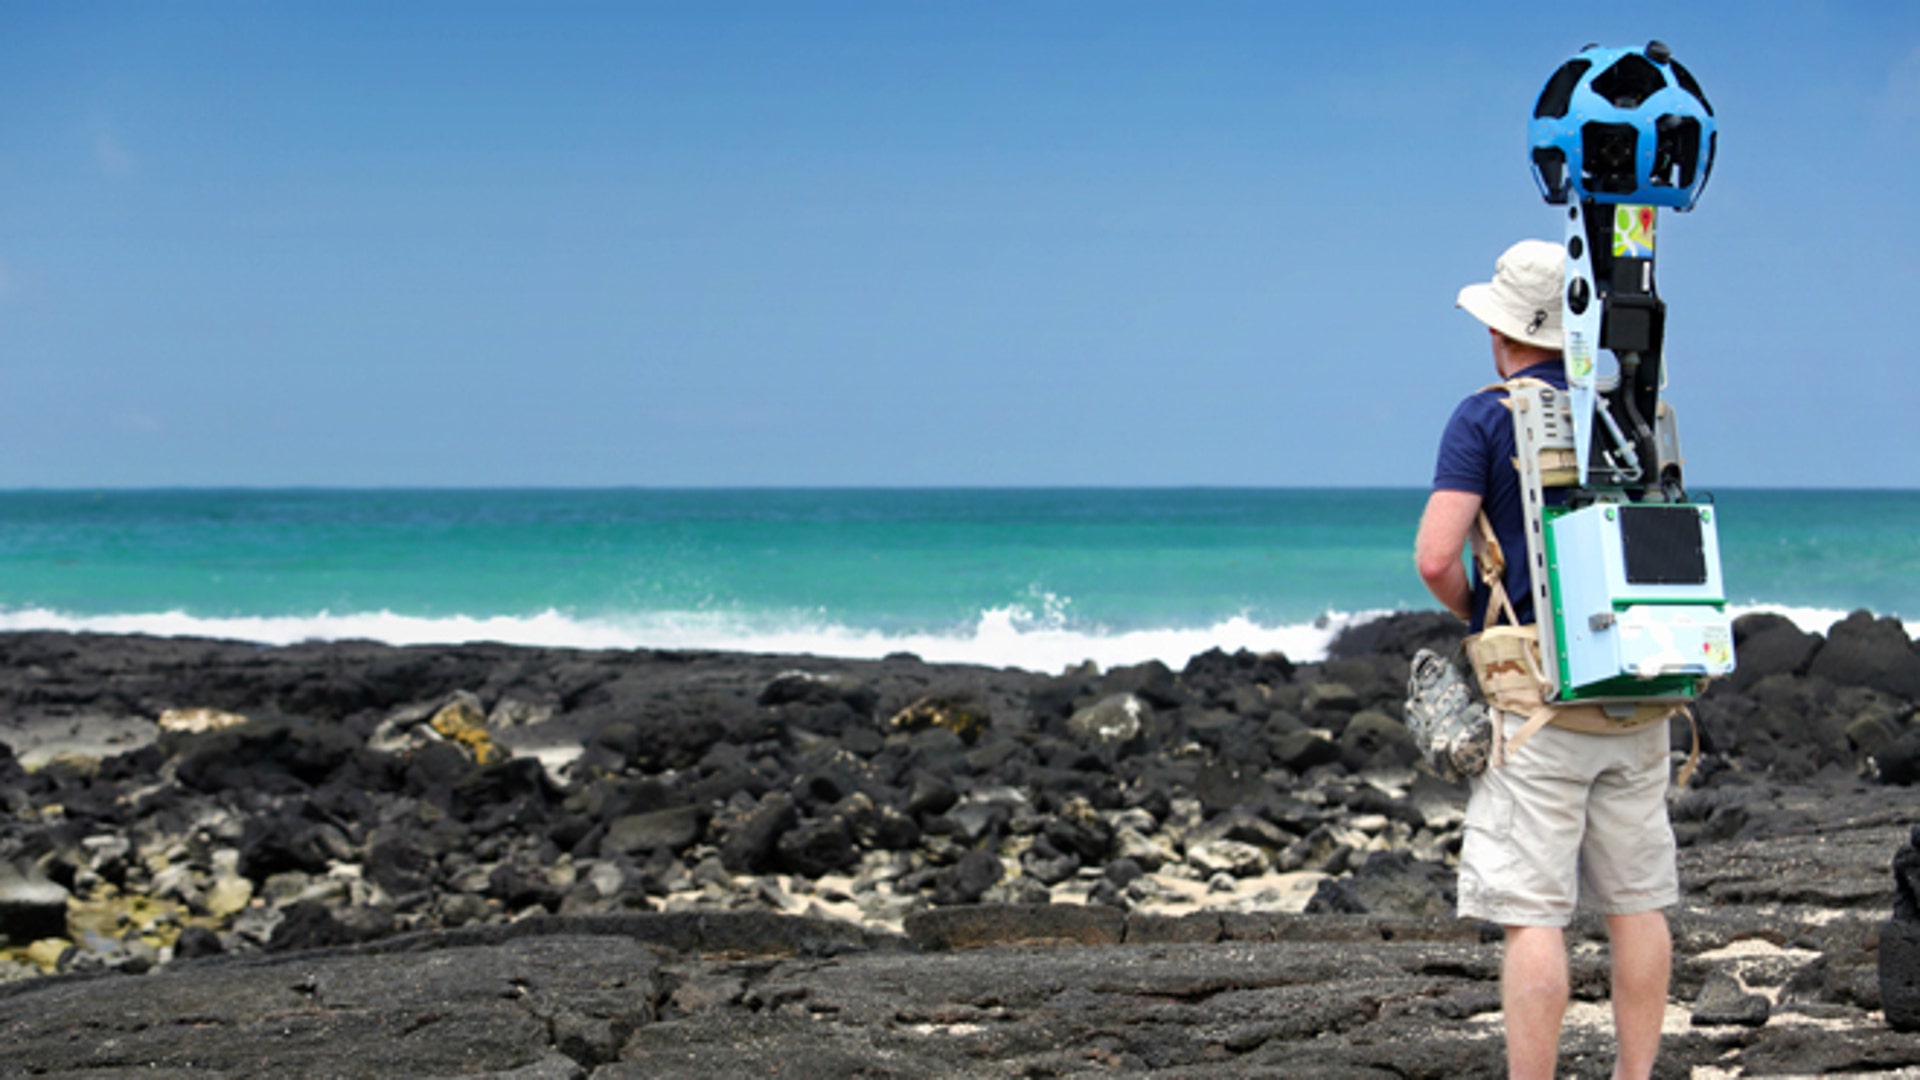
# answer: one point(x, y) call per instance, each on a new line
point(1579, 356)
point(1718, 647)
point(1632, 231)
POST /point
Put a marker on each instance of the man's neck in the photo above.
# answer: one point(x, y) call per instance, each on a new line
point(1515, 361)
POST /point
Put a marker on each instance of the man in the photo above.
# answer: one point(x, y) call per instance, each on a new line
point(1570, 817)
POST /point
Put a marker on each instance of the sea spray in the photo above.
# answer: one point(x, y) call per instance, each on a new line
point(999, 637)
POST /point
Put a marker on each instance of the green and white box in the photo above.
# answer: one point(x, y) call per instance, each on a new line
point(1638, 606)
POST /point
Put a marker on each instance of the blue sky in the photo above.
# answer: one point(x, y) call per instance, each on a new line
point(897, 243)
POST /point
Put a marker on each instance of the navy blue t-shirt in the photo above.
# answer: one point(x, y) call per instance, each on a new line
point(1477, 456)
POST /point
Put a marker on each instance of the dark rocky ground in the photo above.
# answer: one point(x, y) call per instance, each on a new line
point(357, 860)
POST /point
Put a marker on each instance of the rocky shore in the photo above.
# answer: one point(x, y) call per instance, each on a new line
point(351, 859)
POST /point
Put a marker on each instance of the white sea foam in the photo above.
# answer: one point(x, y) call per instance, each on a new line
point(1814, 620)
point(1010, 636)
point(1002, 637)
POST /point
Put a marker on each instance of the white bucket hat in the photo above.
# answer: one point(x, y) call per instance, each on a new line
point(1523, 299)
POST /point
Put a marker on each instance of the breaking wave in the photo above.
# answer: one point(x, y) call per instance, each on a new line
point(1012, 636)
point(999, 637)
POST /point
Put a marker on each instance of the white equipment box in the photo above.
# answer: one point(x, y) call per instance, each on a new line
point(1639, 610)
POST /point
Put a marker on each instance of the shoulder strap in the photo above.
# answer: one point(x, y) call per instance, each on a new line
point(1513, 384)
point(1493, 569)
point(1486, 550)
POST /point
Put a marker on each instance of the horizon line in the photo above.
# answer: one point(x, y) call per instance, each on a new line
point(827, 487)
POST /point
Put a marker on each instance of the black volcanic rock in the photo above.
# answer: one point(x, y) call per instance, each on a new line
point(31, 906)
point(1899, 971)
point(967, 880)
point(1400, 636)
point(748, 838)
point(1900, 941)
point(1374, 740)
point(329, 908)
point(399, 863)
point(1212, 676)
point(1766, 644)
point(1388, 883)
point(675, 829)
point(1864, 651)
point(284, 841)
point(1152, 682)
point(1724, 1001)
point(1223, 785)
point(308, 925)
point(807, 688)
point(1899, 762)
point(279, 754)
point(816, 847)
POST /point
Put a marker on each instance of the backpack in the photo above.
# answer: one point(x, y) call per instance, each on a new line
point(1457, 736)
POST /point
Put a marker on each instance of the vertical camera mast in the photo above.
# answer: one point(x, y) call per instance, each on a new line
point(1626, 569)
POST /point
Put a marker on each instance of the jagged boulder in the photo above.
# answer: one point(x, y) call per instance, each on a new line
point(1400, 635)
point(1767, 644)
point(1115, 720)
point(1900, 941)
point(1723, 1001)
point(1864, 651)
point(31, 907)
point(1374, 740)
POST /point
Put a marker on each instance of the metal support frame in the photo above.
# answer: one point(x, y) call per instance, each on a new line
point(1544, 442)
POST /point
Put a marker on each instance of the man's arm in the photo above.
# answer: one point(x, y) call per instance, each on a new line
point(1436, 551)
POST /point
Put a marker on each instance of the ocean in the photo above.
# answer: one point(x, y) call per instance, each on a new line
point(1030, 578)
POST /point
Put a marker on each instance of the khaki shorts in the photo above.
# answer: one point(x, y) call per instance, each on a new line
point(1571, 818)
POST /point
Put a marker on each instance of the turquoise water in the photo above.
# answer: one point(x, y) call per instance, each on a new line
point(1020, 577)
